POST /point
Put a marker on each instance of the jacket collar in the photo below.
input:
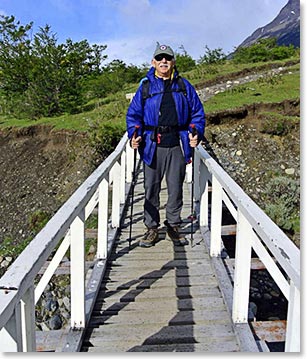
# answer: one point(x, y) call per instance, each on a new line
point(151, 74)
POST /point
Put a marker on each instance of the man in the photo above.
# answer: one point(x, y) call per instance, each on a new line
point(159, 126)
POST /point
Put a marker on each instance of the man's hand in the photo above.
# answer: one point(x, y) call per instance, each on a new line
point(135, 142)
point(193, 140)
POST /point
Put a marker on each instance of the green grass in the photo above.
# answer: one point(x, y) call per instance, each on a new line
point(210, 72)
point(266, 91)
point(112, 109)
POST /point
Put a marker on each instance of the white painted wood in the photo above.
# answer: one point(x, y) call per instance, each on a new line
point(283, 249)
point(91, 205)
point(129, 152)
point(242, 270)
point(216, 218)
point(28, 321)
point(230, 206)
point(53, 264)
point(22, 272)
point(11, 333)
point(188, 173)
point(204, 199)
point(270, 265)
point(293, 333)
point(77, 262)
point(196, 177)
point(116, 195)
point(103, 217)
point(122, 178)
point(18, 280)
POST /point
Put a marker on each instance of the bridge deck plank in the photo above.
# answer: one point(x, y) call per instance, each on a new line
point(162, 298)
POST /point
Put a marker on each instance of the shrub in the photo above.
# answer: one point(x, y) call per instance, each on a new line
point(282, 202)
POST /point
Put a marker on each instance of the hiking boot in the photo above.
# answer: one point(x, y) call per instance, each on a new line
point(150, 238)
point(172, 234)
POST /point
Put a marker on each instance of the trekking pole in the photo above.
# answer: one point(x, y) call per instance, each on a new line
point(194, 133)
point(133, 184)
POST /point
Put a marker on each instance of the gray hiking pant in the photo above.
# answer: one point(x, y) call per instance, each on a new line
point(168, 161)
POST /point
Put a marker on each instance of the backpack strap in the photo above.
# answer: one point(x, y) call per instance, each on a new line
point(181, 85)
point(145, 88)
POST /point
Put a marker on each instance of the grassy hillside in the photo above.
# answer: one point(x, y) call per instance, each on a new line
point(111, 110)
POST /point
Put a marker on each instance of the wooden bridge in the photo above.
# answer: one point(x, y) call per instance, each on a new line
point(162, 298)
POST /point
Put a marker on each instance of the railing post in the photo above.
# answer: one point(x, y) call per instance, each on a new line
point(116, 195)
point(77, 263)
point(242, 270)
point(293, 321)
point(11, 333)
point(27, 307)
point(204, 198)
point(123, 177)
point(129, 161)
point(188, 174)
point(103, 216)
point(196, 176)
point(216, 218)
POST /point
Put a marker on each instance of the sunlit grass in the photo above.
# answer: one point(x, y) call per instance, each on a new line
point(113, 108)
point(271, 91)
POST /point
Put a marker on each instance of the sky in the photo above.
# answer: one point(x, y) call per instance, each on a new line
point(131, 28)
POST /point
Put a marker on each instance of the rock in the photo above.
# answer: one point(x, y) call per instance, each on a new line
point(44, 326)
point(51, 305)
point(66, 302)
point(55, 322)
point(290, 171)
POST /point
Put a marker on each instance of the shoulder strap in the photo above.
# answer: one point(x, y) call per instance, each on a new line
point(145, 89)
point(181, 85)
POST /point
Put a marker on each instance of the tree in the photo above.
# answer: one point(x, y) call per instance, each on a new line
point(214, 56)
point(184, 61)
point(39, 77)
point(15, 55)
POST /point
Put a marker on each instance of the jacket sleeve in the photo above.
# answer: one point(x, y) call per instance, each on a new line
point(197, 112)
point(135, 114)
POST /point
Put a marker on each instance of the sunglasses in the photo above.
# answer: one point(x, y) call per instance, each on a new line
point(164, 56)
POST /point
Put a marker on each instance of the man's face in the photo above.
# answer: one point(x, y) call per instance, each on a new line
point(163, 64)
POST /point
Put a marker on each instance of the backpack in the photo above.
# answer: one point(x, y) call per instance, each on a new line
point(145, 88)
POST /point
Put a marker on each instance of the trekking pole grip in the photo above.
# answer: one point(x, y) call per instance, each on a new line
point(193, 129)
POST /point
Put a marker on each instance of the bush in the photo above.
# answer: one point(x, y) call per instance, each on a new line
point(282, 203)
point(215, 56)
point(262, 51)
point(104, 137)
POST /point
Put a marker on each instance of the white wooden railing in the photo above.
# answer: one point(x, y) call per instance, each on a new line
point(66, 229)
point(255, 230)
point(18, 294)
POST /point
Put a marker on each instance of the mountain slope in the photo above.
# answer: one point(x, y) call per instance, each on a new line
point(285, 27)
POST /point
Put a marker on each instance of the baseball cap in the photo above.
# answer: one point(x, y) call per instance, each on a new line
point(163, 49)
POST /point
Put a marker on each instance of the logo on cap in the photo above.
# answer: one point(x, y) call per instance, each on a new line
point(163, 47)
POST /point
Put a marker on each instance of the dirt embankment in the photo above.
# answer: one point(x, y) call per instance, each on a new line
point(259, 147)
point(39, 169)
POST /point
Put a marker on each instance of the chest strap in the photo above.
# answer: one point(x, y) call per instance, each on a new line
point(166, 129)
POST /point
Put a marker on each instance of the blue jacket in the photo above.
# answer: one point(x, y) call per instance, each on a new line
point(189, 110)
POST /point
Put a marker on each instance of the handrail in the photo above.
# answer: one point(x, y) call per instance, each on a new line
point(255, 230)
point(17, 293)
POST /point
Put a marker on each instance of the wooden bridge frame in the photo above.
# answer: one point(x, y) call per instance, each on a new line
point(66, 230)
